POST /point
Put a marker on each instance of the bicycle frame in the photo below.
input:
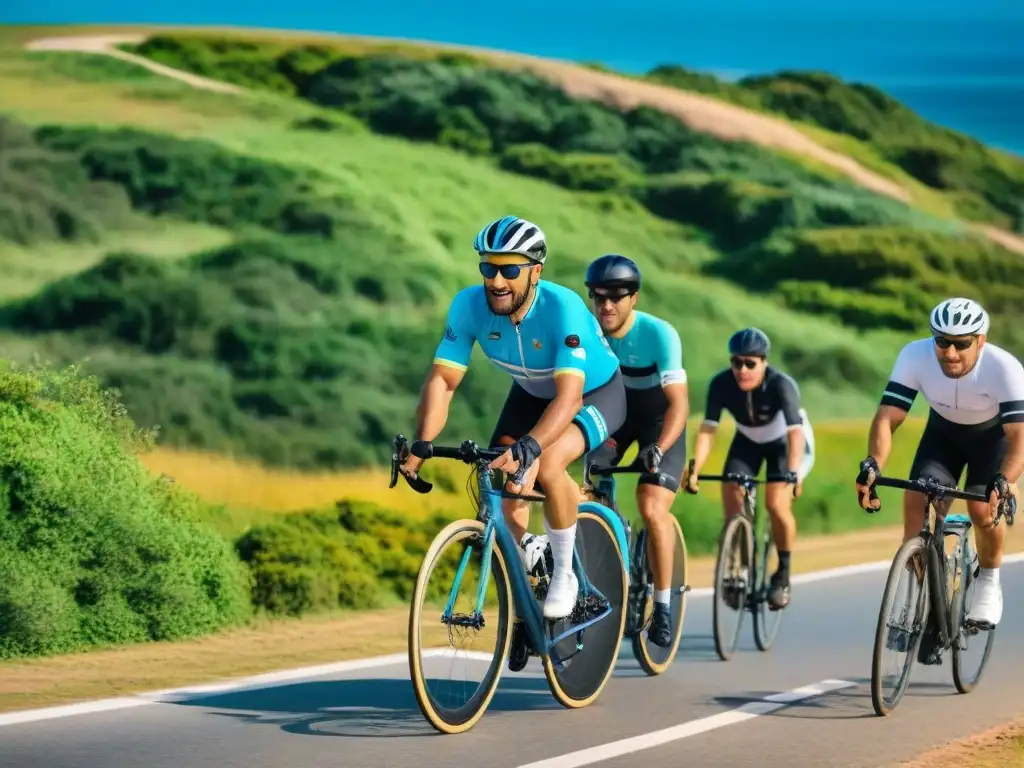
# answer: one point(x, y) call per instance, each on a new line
point(933, 533)
point(496, 530)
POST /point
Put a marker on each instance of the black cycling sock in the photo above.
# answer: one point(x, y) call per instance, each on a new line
point(783, 562)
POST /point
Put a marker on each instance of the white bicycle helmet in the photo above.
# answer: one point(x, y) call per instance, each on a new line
point(510, 234)
point(959, 317)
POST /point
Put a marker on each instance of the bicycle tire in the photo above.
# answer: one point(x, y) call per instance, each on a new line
point(680, 572)
point(466, 716)
point(899, 563)
point(766, 621)
point(580, 692)
point(738, 525)
point(960, 681)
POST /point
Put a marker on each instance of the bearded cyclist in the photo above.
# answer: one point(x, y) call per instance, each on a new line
point(771, 428)
point(566, 396)
point(975, 391)
point(650, 355)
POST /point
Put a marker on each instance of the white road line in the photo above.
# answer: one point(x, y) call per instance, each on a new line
point(282, 677)
point(694, 727)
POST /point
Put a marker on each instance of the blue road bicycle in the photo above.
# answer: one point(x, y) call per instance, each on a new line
point(653, 659)
point(481, 578)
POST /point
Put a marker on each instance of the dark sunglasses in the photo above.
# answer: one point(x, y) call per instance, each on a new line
point(943, 343)
point(508, 271)
point(614, 299)
point(739, 362)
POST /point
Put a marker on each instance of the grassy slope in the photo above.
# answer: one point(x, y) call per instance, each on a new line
point(412, 189)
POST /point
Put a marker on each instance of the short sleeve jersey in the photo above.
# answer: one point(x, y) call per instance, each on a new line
point(558, 336)
point(763, 414)
point(650, 353)
point(994, 388)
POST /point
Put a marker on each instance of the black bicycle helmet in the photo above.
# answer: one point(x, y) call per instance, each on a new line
point(613, 271)
point(749, 341)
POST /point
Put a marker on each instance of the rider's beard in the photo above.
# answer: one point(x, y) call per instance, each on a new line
point(518, 299)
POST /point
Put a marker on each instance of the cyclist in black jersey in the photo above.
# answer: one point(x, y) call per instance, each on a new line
point(771, 428)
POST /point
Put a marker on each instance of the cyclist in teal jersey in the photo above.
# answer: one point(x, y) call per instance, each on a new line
point(567, 393)
point(657, 406)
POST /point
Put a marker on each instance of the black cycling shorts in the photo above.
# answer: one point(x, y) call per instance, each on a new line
point(644, 433)
point(946, 448)
point(745, 457)
point(603, 412)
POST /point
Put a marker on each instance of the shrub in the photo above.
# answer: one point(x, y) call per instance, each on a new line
point(95, 550)
point(48, 195)
point(353, 557)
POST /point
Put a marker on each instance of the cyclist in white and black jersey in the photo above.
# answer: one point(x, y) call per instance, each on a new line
point(771, 428)
point(976, 393)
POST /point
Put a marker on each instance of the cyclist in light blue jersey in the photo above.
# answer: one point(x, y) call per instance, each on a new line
point(657, 406)
point(566, 397)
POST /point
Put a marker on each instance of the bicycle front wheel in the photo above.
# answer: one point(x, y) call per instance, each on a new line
point(732, 583)
point(902, 633)
point(436, 648)
point(654, 659)
point(970, 642)
point(766, 621)
point(587, 658)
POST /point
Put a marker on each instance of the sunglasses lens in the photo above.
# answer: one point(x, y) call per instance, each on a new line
point(510, 271)
point(488, 270)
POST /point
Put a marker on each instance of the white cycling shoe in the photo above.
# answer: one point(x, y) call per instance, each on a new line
point(531, 552)
point(988, 603)
point(561, 598)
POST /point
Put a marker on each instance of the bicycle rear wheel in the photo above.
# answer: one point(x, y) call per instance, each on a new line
point(587, 662)
point(902, 635)
point(455, 558)
point(968, 639)
point(654, 659)
point(732, 583)
point(766, 621)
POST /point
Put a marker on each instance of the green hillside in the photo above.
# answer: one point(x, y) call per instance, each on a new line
point(300, 335)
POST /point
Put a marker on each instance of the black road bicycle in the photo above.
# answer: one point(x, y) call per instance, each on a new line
point(741, 572)
point(934, 616)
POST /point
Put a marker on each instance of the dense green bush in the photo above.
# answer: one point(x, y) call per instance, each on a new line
point(884, 277)
point(984, 184)
point(274, 345)
point(356, 556)
point(575, 170)
point(199, 181)
point(48, 195)
point(93, 549)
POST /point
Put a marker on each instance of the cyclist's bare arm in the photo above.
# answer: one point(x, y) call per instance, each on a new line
point(432, 411)
point(702, 445)
point(887, 420)
point(678, 412)
point(795, 440)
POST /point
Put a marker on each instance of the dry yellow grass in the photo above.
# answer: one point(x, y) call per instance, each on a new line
point(998, 747)
point(245, 484)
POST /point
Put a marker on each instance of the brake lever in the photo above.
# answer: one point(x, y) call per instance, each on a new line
point(396, 458)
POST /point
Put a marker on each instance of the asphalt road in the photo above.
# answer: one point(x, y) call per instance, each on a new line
point(368, 718)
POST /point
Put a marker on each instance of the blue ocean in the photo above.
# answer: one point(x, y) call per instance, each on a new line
point(959, 63)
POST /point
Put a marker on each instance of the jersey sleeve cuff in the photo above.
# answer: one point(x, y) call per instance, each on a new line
point(1012, 412)
point(570, 372)
point(450, 364)
point(898, 395)
point(677, 376)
